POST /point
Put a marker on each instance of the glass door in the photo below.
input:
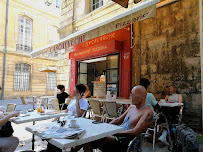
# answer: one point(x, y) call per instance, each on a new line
point(112, 74)
point(91, 68)
point(82, 73)
point(86, 74)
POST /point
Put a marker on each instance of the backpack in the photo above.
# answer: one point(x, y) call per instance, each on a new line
point(185, 139)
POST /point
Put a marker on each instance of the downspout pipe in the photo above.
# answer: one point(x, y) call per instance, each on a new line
point(5, 51)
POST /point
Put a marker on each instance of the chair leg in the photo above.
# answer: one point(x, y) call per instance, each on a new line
point(154, 137)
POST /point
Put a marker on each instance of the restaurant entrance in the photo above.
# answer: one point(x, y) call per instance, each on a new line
point(100, 74)
point(116, 71)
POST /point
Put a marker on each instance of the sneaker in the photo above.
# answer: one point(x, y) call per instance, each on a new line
point(163, 140)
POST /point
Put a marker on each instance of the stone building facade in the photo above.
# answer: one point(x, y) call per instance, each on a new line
point(44, 23)
point(166, 49)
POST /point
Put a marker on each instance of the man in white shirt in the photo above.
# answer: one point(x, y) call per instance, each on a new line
point(83, 104)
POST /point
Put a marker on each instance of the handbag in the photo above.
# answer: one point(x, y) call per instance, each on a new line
point(6, 130)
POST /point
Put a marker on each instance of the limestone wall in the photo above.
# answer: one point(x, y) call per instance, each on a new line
point(43, 17)
point(38, 79)
point(167, 51)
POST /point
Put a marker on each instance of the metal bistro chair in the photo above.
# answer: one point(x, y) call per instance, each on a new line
point(141, 138)
point(96, 109)
point(180, 115)
point(155, 125)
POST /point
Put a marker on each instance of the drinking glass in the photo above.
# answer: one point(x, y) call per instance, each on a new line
point(71, 114)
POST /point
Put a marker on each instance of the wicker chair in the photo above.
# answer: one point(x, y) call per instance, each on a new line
point(25, 103)
point(55, 103)
point(101, 97)
point(10, 107)
point(110, 110)
point(96, 109)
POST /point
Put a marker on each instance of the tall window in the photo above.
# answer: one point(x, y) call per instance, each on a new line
point(24, 41)
point(96, 4)
point(22, 77)
point(51, 80)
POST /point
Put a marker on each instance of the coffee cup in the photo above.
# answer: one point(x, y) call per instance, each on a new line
point(72, 123)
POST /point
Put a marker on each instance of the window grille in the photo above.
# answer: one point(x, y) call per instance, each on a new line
point(96, 4)
point(22, 77)
point(24, 40)
point(51, 80)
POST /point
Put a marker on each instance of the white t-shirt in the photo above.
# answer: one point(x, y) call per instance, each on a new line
point(72, 105)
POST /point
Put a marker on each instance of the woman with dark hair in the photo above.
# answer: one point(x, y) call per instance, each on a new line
point(78, 105)
point(61, 96)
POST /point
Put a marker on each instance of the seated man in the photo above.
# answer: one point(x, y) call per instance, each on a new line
point(136, 120)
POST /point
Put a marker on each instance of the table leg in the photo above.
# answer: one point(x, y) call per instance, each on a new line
point(47, 103)
point(33, 139)
point(33, 103)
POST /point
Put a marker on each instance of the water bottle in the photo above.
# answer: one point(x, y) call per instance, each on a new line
point(108, 95)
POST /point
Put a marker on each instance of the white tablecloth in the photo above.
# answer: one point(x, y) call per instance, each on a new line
point(171, 104)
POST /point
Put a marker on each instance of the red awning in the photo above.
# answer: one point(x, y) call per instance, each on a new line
point(97, 50)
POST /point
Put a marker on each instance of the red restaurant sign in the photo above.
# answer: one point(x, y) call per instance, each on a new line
point(102, 49)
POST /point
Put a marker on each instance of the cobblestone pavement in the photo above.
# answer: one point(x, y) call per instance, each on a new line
point(25, 137)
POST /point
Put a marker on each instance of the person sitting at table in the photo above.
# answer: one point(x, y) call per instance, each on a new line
point(77, 106)
point(173, 96)
point(8, 144)
point(87, 93)
point(61, 96)
point(136, 119)
point(170, 112)
point(150, 99)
